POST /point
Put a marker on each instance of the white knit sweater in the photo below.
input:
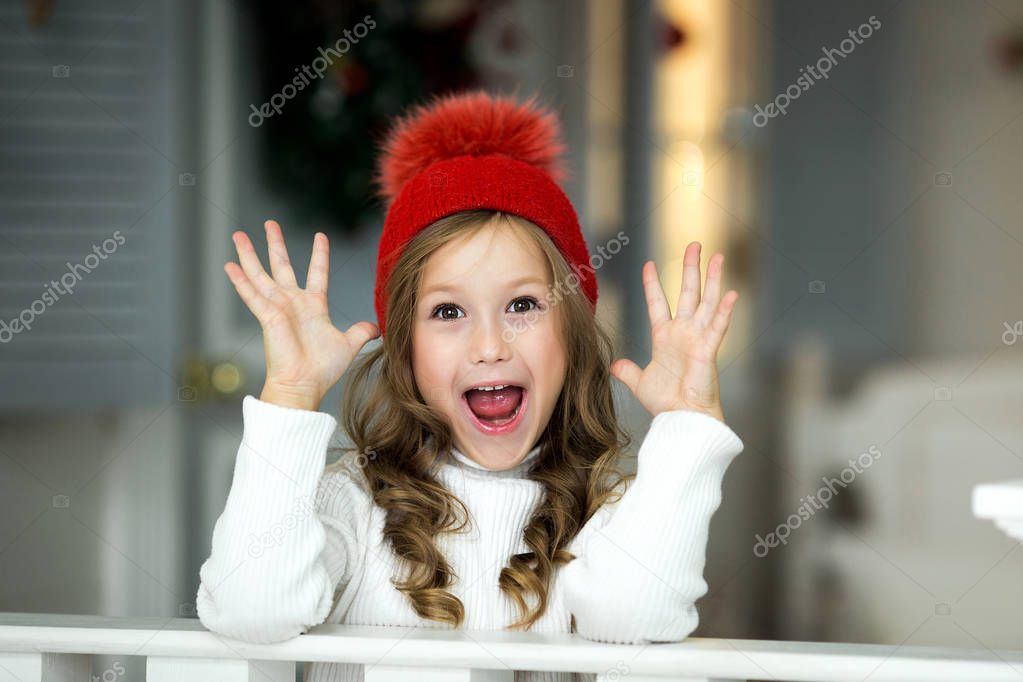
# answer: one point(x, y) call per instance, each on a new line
point(299, 544)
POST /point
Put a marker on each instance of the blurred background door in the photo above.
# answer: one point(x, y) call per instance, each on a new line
point(93, 187)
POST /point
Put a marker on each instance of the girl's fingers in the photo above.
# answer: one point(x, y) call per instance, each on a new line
point(656, 304)
point(689, 296)
point(712, 291)
point(259, 306)
point(250, 262)
point(723, 316)
point(319, 265)
point(280, 264)
point(361, 333)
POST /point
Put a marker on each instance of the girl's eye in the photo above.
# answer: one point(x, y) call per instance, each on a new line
point(524, 299)
point(444, 306)
point(438, 311)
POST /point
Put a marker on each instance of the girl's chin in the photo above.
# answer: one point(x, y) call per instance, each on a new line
point(491, 454)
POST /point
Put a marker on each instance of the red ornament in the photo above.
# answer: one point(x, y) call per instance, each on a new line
point(670, 37)
point(1008, 52)
point(354, 77)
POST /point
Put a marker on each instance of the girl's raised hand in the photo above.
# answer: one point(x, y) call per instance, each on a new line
point(682, 374)
point(305, 353)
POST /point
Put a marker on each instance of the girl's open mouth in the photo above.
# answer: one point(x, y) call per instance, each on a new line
point(498, 411)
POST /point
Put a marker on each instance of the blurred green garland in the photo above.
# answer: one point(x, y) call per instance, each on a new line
point(319, 150)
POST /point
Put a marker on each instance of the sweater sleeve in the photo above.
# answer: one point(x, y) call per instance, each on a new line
point(640, 559)
point(290, 534)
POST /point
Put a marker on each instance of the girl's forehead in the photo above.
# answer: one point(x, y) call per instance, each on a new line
point(495, 252)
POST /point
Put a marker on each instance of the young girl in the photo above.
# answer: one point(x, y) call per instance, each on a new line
point(482, 490)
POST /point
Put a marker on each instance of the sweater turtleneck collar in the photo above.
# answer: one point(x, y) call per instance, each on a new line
point(517, 471)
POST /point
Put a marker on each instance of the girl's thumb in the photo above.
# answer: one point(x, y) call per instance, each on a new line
point(361, 332)
point(626, 371)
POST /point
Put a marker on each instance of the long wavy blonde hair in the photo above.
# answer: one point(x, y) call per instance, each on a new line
point(385, 414)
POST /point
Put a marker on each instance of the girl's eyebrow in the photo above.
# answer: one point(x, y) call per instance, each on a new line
point(528, 279)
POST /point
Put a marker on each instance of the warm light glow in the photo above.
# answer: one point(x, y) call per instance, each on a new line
point(689, 108)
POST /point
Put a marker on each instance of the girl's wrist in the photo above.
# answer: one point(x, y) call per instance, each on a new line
point(284, 396)
point(710, 412)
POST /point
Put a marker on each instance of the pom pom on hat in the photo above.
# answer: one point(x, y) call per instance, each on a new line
point(474, 124)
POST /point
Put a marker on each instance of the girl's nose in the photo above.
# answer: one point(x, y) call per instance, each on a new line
point(489, 343)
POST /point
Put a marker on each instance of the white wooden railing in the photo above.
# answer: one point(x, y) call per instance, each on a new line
point(1003, 504)
point(59, 648)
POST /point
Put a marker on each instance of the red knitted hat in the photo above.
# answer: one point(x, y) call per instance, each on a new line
point(473, 150)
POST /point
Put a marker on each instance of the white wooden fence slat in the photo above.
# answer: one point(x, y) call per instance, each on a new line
point(402, 673)
point(178, 669)
point(616, 676)
point(45, 667)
